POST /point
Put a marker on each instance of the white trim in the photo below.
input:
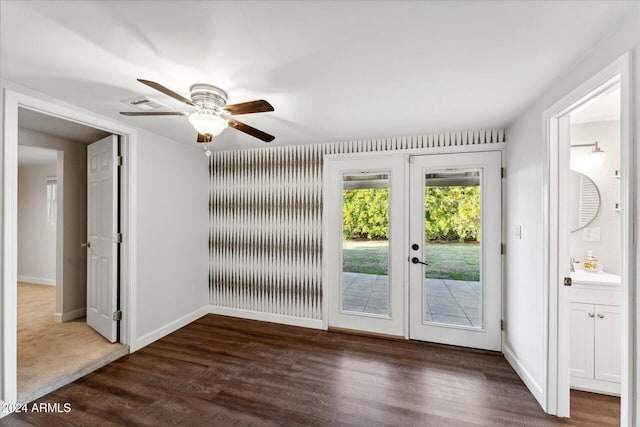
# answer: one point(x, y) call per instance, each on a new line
point(14, 99)
point(496, 146)
point(170, 327)
point(70, 315)
point(556, 397)
point(267, 317)
point(528, 379)
point(37, 280)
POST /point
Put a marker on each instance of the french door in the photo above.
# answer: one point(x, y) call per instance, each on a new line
point(455, 241)
point(366, 273)
point(413, 246)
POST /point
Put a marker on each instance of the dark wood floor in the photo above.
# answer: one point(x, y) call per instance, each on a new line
point(220, 371)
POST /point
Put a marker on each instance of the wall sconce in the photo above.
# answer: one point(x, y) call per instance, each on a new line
point(596, 154)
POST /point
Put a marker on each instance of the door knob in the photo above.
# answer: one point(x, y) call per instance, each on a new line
point(415, 260)
point(85, 244)
point(415, 247)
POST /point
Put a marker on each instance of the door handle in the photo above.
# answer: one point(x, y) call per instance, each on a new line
point(415, 260)
point(590, 314)
point(85, 244)
point(600, 315)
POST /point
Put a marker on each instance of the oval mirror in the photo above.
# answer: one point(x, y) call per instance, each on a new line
point(585, 200)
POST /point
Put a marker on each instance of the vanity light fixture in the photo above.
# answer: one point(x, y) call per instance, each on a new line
point(595, 150)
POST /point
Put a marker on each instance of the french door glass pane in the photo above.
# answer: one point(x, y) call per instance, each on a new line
point(452, 250)
point(365, 243)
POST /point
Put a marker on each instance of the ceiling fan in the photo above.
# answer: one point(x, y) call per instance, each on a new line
point(213, 115)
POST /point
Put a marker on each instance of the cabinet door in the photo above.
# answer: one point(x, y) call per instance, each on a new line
point(607, 343)
point(582, 336)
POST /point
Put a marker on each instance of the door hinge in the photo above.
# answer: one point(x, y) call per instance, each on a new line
point(117, 238)
point(117, 315)
point(503, 172)
point(501, 248)
point(118, 161)
point(502, 325)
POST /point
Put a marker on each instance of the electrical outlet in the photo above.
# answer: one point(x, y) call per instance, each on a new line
point(591, 234)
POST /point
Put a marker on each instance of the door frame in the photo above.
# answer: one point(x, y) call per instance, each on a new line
point(13, 100)
point(498, 146)
point(556, 343)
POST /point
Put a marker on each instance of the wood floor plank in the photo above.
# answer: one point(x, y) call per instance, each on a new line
point(233, 372)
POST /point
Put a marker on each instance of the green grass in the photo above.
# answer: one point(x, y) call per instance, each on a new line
point(457, 261)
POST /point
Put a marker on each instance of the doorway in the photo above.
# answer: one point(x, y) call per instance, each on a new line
point(404, 252)
point(590, 342)
point(55, 342)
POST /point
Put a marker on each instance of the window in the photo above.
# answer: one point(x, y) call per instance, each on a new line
point(52, 200)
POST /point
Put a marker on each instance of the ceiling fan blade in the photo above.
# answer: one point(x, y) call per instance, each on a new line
point(169, 92)
point(259, 106)
point(151, 113)
point(251, 130)
point(204, 138)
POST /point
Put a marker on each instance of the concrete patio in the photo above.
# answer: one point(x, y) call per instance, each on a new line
point(454, 302)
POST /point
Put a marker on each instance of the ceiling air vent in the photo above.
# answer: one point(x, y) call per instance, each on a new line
point(144, 103)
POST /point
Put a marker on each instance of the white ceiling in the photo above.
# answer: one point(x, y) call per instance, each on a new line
point(61, 128)
point(604, 107)
point(36, 156)
point(333, 70)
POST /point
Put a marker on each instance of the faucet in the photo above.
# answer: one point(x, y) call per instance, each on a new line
point(572, 261)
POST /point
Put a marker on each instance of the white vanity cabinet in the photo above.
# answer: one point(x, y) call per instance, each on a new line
point(594, 308)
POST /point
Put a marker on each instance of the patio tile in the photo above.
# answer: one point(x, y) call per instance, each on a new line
point(356, 292)
point(376, 310)
point(447, 310)
point(356, 308)
point(468, 300)
point(449, 301)
point(353, 300)
point(451, 320)
point(378, 302)
point(471, 312)
point(475, 322)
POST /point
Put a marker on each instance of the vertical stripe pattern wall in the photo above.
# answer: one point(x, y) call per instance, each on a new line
point(265, 229)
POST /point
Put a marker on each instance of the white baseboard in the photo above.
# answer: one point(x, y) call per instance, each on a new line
point(37, 280)
point(70, 315)
point(524, 375)
point(146, 339)
point(267, 317)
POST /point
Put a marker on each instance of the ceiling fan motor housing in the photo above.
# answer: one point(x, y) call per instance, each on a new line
point(209, 97)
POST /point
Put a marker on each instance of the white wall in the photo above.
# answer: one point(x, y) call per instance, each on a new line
point(172, 244)
point(607, 133)
point(169, 198)
point(524, 311)
point(71, 274)
point(36, 236)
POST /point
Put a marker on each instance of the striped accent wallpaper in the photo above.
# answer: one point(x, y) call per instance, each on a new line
point(265, 223)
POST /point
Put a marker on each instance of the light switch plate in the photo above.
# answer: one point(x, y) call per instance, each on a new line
point(591, 234)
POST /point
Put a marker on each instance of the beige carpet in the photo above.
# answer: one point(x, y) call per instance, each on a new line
point(51, 354)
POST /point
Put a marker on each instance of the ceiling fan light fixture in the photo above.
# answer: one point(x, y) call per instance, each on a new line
point(208, 123)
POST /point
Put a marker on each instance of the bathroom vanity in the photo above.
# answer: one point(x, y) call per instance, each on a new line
point(595, 332)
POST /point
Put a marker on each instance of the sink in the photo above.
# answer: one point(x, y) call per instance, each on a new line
point(599, 278)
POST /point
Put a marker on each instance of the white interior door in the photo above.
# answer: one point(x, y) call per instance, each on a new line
point(455, 287)
point(366, 267)
point(102, 223)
